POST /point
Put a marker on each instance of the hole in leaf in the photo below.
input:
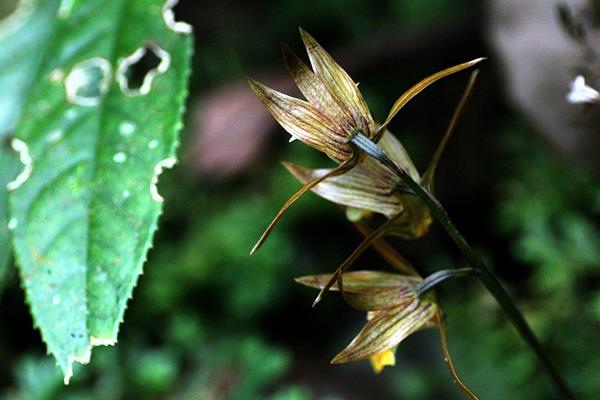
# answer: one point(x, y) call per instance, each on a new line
point(136, 72)
point(170, 11)
point(88, 82)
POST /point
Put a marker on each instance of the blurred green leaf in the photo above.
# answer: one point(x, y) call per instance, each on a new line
point(37, 378)
point(99, 124)
point(21, 35)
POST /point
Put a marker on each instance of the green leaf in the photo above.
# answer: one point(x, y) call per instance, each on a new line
point(95, 136)
point(21, 34)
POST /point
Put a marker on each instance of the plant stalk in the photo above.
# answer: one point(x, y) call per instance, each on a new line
point(486, 276)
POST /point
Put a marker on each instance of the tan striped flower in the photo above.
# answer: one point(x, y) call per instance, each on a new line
point(333, 113)
point(395, 309)
point(370, 186)
point(334, 108)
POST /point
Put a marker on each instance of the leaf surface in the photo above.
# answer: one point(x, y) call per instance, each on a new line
point(21, 34)
point(100, 123)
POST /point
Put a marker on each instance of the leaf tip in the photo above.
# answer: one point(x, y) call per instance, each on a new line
point(81, 359)
point(96, 341)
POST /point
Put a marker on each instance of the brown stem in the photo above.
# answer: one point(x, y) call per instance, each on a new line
point(387, 251)
point(461, 385)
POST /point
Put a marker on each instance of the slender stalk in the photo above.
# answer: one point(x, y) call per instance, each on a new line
point(440, 276)
point(387, 251)
point(364, 245)
point(461, 385)
point(485, 276)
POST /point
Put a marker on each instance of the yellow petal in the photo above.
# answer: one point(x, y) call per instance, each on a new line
point(304, 122)
point(384, 359)
point(419, 87)
point(339, 83)
point(415, 220)
point(355, 214)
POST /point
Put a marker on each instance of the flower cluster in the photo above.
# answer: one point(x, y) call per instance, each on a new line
point(333, 113)
point(333, 119)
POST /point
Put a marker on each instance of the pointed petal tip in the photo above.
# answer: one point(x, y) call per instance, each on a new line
point(341, 358)
point(317, 300)
point(256, 246)
point(307, 38)
point(287, 53)
point(301, 173)
point(256, 86)
point(336, 360)
point(305, 280)
point(285, 48)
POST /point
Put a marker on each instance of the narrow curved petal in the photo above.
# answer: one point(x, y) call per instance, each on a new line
point(339, 83)
point(429, 175)
point(387, 329)
point(368, 186)
point(304, 122)
point(420, 86)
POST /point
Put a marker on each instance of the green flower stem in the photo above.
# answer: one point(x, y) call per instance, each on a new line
point(440, 276)
point(486, 276)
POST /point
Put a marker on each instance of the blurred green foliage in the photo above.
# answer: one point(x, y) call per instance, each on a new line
point(549, 208)
point(546, 209)
point(209, 348)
